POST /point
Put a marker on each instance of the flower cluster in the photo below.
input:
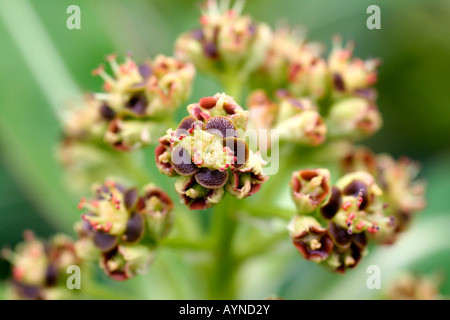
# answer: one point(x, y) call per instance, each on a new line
point(410, 286)
point(299, 66)
point(335, 223)
point(296, 119)
point(339, 89)
point(122, 228)
point(135, 99)
point(134, 107)
point(307, 97)
point(402, 194)
point(292, 63)
point(226, 41)
point(39, 268)
point(208, 154)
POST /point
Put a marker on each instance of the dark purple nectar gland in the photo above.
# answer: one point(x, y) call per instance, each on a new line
point(187, 126)
point(339, 235)
point(145, 70)
point(332, 206)
point(137, 104)
point(210, 50)
point(104, 241)
point(358, 189)
point(107, 112)
point(130, 198)
point(135, 228)
point(221, 126)
point(338, 82)
point(238, 149)
point(211, 179)
point(182, 162)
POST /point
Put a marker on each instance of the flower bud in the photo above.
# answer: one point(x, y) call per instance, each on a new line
point(311, 240)
point(263, 111)
point(402, 196)
point(127, 135)
point(39, 268)
point(220, 105)
point(360, 159)
point(195, 196)
point(409, 286)
point(299, 121)
point(153, 89)
point(292, 63)
point(108, 214)
point(226, 39)
point(353, 118)
point(363, 209)
point(295, 120)
point(348, 215)
point(86, 121)
point(247, 180)
point(310, 188)
point(126, 261)
point(308, 72)
point(348, 248)
point(157, 208)
point(121, 228)
point(350, 75)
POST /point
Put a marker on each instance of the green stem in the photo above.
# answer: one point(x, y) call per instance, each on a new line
point(94, 291)
point(141, 176)
point(186, 244)
point(233, 85)
point(223, 273)
point(263, 246)
point(268, 211)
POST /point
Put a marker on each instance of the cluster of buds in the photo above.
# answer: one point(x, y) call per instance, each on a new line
point(135, 99)
point(350, 75)
point(409, 286)
point(335, 223)
point(292, 63)
point(342, 86)
point(151, 90)
point(135, 104)
point(39, 268)
point(295, 64)
point(403, 194)
point(299, 120)
point(296, 119)
point(225, 41)
point(122, 228)
point(208, 154)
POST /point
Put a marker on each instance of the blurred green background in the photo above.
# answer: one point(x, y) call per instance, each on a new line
point(44, 65)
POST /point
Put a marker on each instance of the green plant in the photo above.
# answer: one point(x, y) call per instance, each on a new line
point(319, 106)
